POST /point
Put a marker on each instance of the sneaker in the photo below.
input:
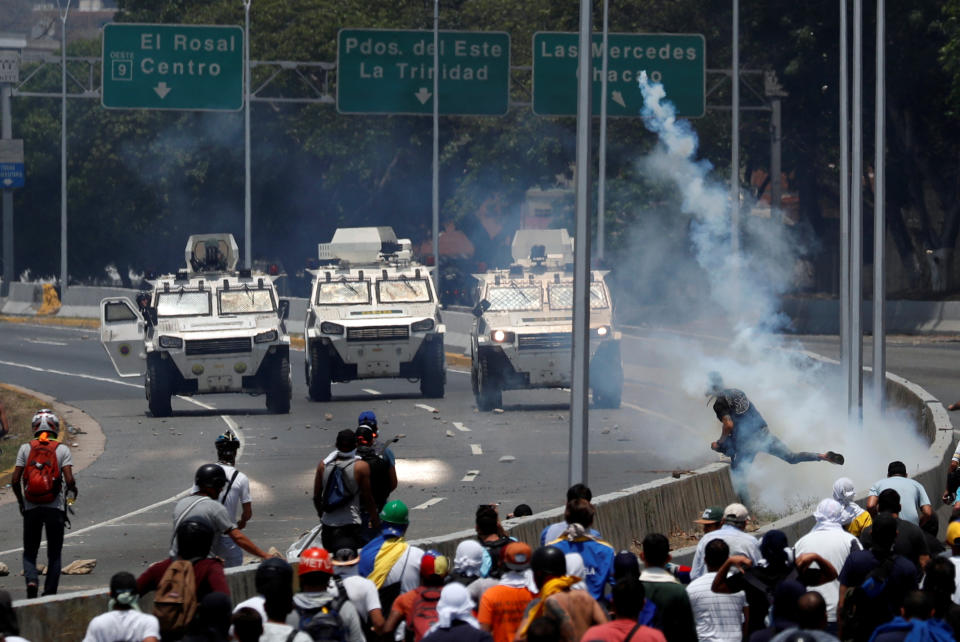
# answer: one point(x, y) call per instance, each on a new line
point(31, 591)
point(833, 458)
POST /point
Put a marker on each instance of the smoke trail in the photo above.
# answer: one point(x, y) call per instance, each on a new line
point(797, 396)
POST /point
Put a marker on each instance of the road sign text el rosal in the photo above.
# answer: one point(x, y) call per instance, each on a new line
point(422, 47)
point(181, 43)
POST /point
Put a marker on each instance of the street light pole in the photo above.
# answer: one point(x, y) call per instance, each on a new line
point(735, 137)
point(63, 145)
point(879, 224)
point(436, 145)
point(247, 207)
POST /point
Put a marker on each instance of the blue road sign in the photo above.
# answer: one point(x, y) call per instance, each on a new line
point(11, 175)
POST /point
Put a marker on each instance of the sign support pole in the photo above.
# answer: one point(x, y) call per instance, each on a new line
point(247, 232)
point(435, 198)
point(856, 222)
point(63, 148)
point(735, 139)
point(602, 177)
point(6, 132)
point(580, 384)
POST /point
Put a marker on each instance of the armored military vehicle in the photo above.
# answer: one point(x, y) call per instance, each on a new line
point(522, 336)
point(373, 313)
point(209, 328)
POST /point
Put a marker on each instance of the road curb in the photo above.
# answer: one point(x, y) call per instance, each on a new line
point(89, 447)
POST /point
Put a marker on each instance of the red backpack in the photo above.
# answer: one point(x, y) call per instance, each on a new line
point(423, 613)
point(41, 475)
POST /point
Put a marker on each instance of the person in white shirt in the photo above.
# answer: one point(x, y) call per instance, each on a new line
point(829, 540)
point(123, 622)
point(272, 576)
point(735, 518)
point(361, 591)
point(720, 617)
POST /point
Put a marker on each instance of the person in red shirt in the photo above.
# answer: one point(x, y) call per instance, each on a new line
point(502, 606)
point(194, 539)
point(417, 608)
point(628, 599)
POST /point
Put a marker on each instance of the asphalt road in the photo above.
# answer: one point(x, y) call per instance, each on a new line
point(451, 459)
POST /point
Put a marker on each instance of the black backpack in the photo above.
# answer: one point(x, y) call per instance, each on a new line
point(325, 622)
point(335, 493)
point(860, 614)
point(379, 474)
point(495, 550)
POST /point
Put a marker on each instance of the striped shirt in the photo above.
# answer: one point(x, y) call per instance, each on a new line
point(719, 616)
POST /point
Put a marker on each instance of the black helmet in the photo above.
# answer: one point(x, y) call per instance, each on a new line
point(194, 538)
point(550, 560)
point(210, 476)
point(273, 575)
point(227, 442)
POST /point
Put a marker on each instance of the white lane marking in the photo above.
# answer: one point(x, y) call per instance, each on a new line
point(470, 476)
point(655, 414)
point(70, 374)
point(476, 449)
point(508, 458)
point(371, 391)
point(429, 503)
point(464, 372)
point(426, 407)
point(459, 426)
point(61, 328)
point(46, 342)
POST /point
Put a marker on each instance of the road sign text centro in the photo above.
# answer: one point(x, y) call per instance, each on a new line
point(172, 67)
point(678, 61)
point(391, 71)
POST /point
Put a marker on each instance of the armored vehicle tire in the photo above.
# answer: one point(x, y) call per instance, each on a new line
point(603, 398)
point(279, 387)
point(158, 387)
point(488, 394)
point(318, 374)
point(432, 375)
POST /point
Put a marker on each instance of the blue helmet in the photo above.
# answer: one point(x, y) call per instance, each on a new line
point(367, 418)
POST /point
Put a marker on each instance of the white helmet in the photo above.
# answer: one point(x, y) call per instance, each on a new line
point(45, 421)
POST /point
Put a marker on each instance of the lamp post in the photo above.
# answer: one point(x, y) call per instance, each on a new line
point(247, 225)
point(64, 10)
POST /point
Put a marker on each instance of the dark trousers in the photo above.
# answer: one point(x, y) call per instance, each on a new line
point(334, 538)
point(34, 521)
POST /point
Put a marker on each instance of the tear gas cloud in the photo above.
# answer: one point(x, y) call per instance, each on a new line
point(723, 311)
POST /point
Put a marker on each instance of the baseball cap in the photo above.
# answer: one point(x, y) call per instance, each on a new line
point(516, 556)
point(953, 532)
point(433, 564)
point(711, 515)
point(735, 513)
point(346, 557)
point(626, 563)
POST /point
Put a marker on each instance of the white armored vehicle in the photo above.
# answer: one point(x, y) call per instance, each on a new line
point(373, 313)
point(522, 337)
point(206, 329)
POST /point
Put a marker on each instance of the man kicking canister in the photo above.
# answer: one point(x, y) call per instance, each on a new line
point(744, 434)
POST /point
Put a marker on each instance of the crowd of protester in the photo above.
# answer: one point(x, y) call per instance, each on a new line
point(878, 573)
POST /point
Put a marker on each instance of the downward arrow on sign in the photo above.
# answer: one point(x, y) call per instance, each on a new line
point(8, 181)
point(423, 95)
point(162, 90)
point(618, 98)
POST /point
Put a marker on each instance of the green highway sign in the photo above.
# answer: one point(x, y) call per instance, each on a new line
point(196, 67)
point(676, 60)
point(391, 72)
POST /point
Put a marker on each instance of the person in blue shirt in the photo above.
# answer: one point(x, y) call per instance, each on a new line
point(598, 555)
point(552, 532)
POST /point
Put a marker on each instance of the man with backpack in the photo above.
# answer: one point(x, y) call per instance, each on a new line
point(417, 608)
point(341, 487)
point(322, 608)
point(383, 474)
point(493, 539)
point(42, 476)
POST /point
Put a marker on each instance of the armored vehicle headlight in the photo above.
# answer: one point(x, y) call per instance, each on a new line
point(502, 336)
point(167, 341)
point(602, 331)
point(423, 326)
point(328, 327)
point(266, 337)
